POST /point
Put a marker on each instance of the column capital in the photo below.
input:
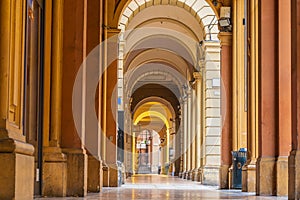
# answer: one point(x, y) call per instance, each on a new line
point(197, 76)
point(182, 100)
point(111, 31)
point(189, 92)
point(225, 38)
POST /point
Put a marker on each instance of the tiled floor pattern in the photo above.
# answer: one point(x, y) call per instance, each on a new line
point(143, 187)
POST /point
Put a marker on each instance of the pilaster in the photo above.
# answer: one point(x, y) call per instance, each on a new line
point(185, 138)
point(285, 96)
point(55, 162)
point(16, 181)
point(198, 86)
point(249, 169)
point(110, 105)
point(182, 138)
point(73, 128)
point(178, 144)
point(189, 134)
point(239, 79)
point(212, 112)
point(92, 55)
point(268, 99)
point(193, 135)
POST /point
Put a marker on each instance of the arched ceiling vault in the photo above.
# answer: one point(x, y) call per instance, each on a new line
point(147, 92)
point(117, 7)
point(171, 17)
point(201, 10)
point(156, 55)
point(155, 73)
point(157, 114)
point(159, 100)
point(156, 61)
point(184, 48)
point(154, 114)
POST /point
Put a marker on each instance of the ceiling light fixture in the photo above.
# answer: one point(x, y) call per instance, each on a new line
point(224, 22)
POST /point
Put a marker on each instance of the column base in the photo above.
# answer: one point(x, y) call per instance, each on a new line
point(77, 161)
point(123, 174)
point(211, 175)
point(162, 170)
point(190, 175)
point(105, 170)
point(177, 167)
point(185, 175)
point(224, 177)
point(294, 175)
point(249, 177)
point(200, 175)
point(95, 174)
point(180, 175)
point(17, 174)
point(114, 179)
point(282, 175)
point(266, 176)
point(54, 172)
point(195, 175)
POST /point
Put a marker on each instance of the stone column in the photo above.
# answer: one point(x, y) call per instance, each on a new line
point(198, 87)
point(55, 162)
point(189, 133)
point(197, 107)
point(110, 100)
point(105, 170)
point(182, 130)
point(178, 142)
point(249, 169)
point(16, 156)
point(212, 136)
point(193, 133)
point(226, 107)
point(294, 157)
point(239, 114)
point(182, 141)
point(93, 38)
point(128, 134)
point(267, 116)
point(133, 153)
point(162, 158)
point(166, 151)
point(184, 152)
point(285, 98)
point(73, 117)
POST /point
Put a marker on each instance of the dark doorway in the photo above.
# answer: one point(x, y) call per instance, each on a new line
point(33, 85)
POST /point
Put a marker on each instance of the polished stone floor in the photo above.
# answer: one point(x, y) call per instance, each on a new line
point(143, 187)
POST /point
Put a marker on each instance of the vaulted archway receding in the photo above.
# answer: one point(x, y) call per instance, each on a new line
point(170, 50)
